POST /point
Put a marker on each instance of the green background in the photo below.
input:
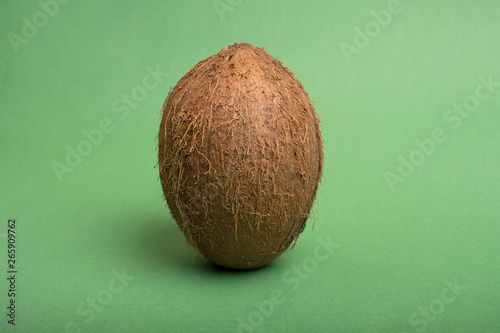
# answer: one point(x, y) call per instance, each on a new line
point(398, 248)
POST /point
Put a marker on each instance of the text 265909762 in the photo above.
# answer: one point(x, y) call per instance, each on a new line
point(11, 271)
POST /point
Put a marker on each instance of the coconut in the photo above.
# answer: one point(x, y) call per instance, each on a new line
point(240, 156)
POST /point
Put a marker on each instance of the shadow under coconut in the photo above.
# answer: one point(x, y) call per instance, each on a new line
point(167, 246)
point(214, 268)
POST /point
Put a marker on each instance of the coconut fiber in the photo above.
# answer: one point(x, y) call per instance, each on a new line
point(240, 156)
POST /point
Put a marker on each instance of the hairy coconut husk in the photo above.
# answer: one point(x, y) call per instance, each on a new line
point(240, 156)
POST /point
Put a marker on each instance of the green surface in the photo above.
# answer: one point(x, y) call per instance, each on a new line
point(412, 248)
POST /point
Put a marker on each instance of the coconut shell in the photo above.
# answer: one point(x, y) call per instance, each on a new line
point(240, 156)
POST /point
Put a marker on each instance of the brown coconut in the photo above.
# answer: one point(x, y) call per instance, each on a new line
point(240, 156)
